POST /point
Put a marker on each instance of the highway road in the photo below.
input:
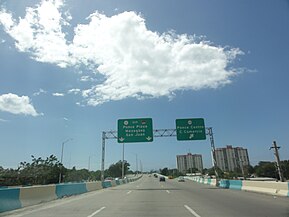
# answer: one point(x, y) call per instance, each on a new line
point(148, 197)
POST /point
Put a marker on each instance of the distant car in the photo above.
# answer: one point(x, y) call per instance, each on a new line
point(108, 179)
point(162, 179)
point(181, 179)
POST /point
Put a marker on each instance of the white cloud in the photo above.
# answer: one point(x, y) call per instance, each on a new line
point(58, 94)
point(86, 78)
point(17, 104)
point(41, 91)
point(39, 32)
point(74, 91)
point(134, 61)
point(3, 120)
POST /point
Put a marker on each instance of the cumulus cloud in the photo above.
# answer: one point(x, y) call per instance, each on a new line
point(133, 60)
point(15, 104)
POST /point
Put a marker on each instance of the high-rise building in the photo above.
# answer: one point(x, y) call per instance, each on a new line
point(232, 159)
point(189, 161)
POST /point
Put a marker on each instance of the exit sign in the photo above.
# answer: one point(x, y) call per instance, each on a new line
point(135, 130)
point(191, 129)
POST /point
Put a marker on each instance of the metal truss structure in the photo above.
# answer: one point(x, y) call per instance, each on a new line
point(112, 134)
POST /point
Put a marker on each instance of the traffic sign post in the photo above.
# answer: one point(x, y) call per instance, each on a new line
point(135, 130)
point(191, 129)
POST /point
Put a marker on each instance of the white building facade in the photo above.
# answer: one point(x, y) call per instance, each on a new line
point(232, 159)
point(189, 161)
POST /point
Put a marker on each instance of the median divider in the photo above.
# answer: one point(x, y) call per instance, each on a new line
point(106, 184)
point(93, 186)
point(15, 198)
point(65, 190)
point(37, 194)
point(267, 187)
point(9, 199)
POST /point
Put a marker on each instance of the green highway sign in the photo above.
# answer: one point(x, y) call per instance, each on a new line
point(191, 129)
point(135, 130)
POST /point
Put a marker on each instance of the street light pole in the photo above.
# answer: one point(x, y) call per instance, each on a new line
point(62, 149)
point(122, 168)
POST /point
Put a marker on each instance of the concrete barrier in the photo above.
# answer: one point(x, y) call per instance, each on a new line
point(37, 194)
point(93, 186)
point(113, 183)
point(223, 183)
point(288, 190)
point(213, 182)
point(68, 189)
point(235, 184)
point(15, 198)
point(106, 184)
point(9, 199)
point(268, 187)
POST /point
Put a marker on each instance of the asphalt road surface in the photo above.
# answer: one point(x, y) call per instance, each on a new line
point(148, 197)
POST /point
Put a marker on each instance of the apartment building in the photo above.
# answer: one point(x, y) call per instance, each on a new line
point(232, 159)
point(189, 161)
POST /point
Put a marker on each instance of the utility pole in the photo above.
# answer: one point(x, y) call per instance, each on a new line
point(62, 149)
point(122, 168)
point(276, 153)
point(213, 152)
point(136, 165)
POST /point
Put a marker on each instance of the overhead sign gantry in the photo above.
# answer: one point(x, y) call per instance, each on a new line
point(141, 130)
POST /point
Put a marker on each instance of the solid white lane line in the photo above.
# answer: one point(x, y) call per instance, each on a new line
point(97, 211)
point(128, 192)
point(168, 191)
point(192, 211)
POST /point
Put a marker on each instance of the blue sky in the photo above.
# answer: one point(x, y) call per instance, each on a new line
point(71, 69)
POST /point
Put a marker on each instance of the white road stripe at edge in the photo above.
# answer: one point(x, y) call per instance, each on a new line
point(192, 211)
point(97, 211)
point(128, 192)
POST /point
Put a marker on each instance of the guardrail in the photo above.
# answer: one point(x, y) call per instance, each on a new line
point(267, 187)
point(15, 198)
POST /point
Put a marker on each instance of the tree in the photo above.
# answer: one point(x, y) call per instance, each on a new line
point(39, 171)
point(164, 171)
point(285, 168)
point(115, 170)
point(266, 169)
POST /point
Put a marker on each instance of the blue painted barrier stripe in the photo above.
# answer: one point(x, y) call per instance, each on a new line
point(9, 199)
point(106, 184)
point(70, 189)
point(235, 184)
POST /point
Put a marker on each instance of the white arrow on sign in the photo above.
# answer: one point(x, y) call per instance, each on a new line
point(121, 139)
point(191, 136)
point(149, 138)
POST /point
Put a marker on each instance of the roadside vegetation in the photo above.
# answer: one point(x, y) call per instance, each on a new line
point(263, 169)
point(46, 171)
